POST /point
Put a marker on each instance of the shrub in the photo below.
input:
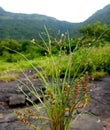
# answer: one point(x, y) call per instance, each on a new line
point(10, 43)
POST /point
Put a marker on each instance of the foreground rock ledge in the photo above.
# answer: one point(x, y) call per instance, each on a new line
point(86, 122)
point(82, 122)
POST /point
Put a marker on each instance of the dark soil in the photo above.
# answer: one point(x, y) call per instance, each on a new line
point(99, 105)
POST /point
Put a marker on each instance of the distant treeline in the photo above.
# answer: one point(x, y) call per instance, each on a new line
point(91, 35)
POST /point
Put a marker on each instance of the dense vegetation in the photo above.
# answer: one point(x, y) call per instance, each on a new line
point(28, 26)
point(19, 30)
point(92, 44)
point(71, 59)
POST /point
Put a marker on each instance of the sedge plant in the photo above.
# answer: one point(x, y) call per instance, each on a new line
point(62, 98)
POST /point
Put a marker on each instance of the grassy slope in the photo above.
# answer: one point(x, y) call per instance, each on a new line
point(95, 62)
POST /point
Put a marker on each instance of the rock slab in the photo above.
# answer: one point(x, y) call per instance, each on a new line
point(86, 122)
point(16, 99)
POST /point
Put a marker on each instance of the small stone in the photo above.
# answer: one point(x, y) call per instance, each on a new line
point(16, 100)
point(98, 121)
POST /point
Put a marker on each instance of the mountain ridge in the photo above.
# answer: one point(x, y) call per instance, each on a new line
point(100, 15)
point(27, 26)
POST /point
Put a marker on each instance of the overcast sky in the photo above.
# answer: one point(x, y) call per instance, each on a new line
point(69, 10)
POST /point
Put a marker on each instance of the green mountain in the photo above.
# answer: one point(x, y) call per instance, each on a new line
point(102, 15)
point(27, 26)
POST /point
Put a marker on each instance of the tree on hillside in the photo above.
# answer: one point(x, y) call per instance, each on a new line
point(96, 32)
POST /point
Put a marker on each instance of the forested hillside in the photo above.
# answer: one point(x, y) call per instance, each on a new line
point(28, 26)
point(102, 15)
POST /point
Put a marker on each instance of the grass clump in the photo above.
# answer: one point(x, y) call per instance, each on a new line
point(7, 77)
point(99, 59)
point(62, 95)
point(97, 75)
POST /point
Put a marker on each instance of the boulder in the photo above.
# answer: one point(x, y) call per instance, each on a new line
point(16, 100)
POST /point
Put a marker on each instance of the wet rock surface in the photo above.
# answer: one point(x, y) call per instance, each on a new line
point(86, 122)
point(10, 96)
point(17, 99)
point(100, 94)
point(99, 106)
